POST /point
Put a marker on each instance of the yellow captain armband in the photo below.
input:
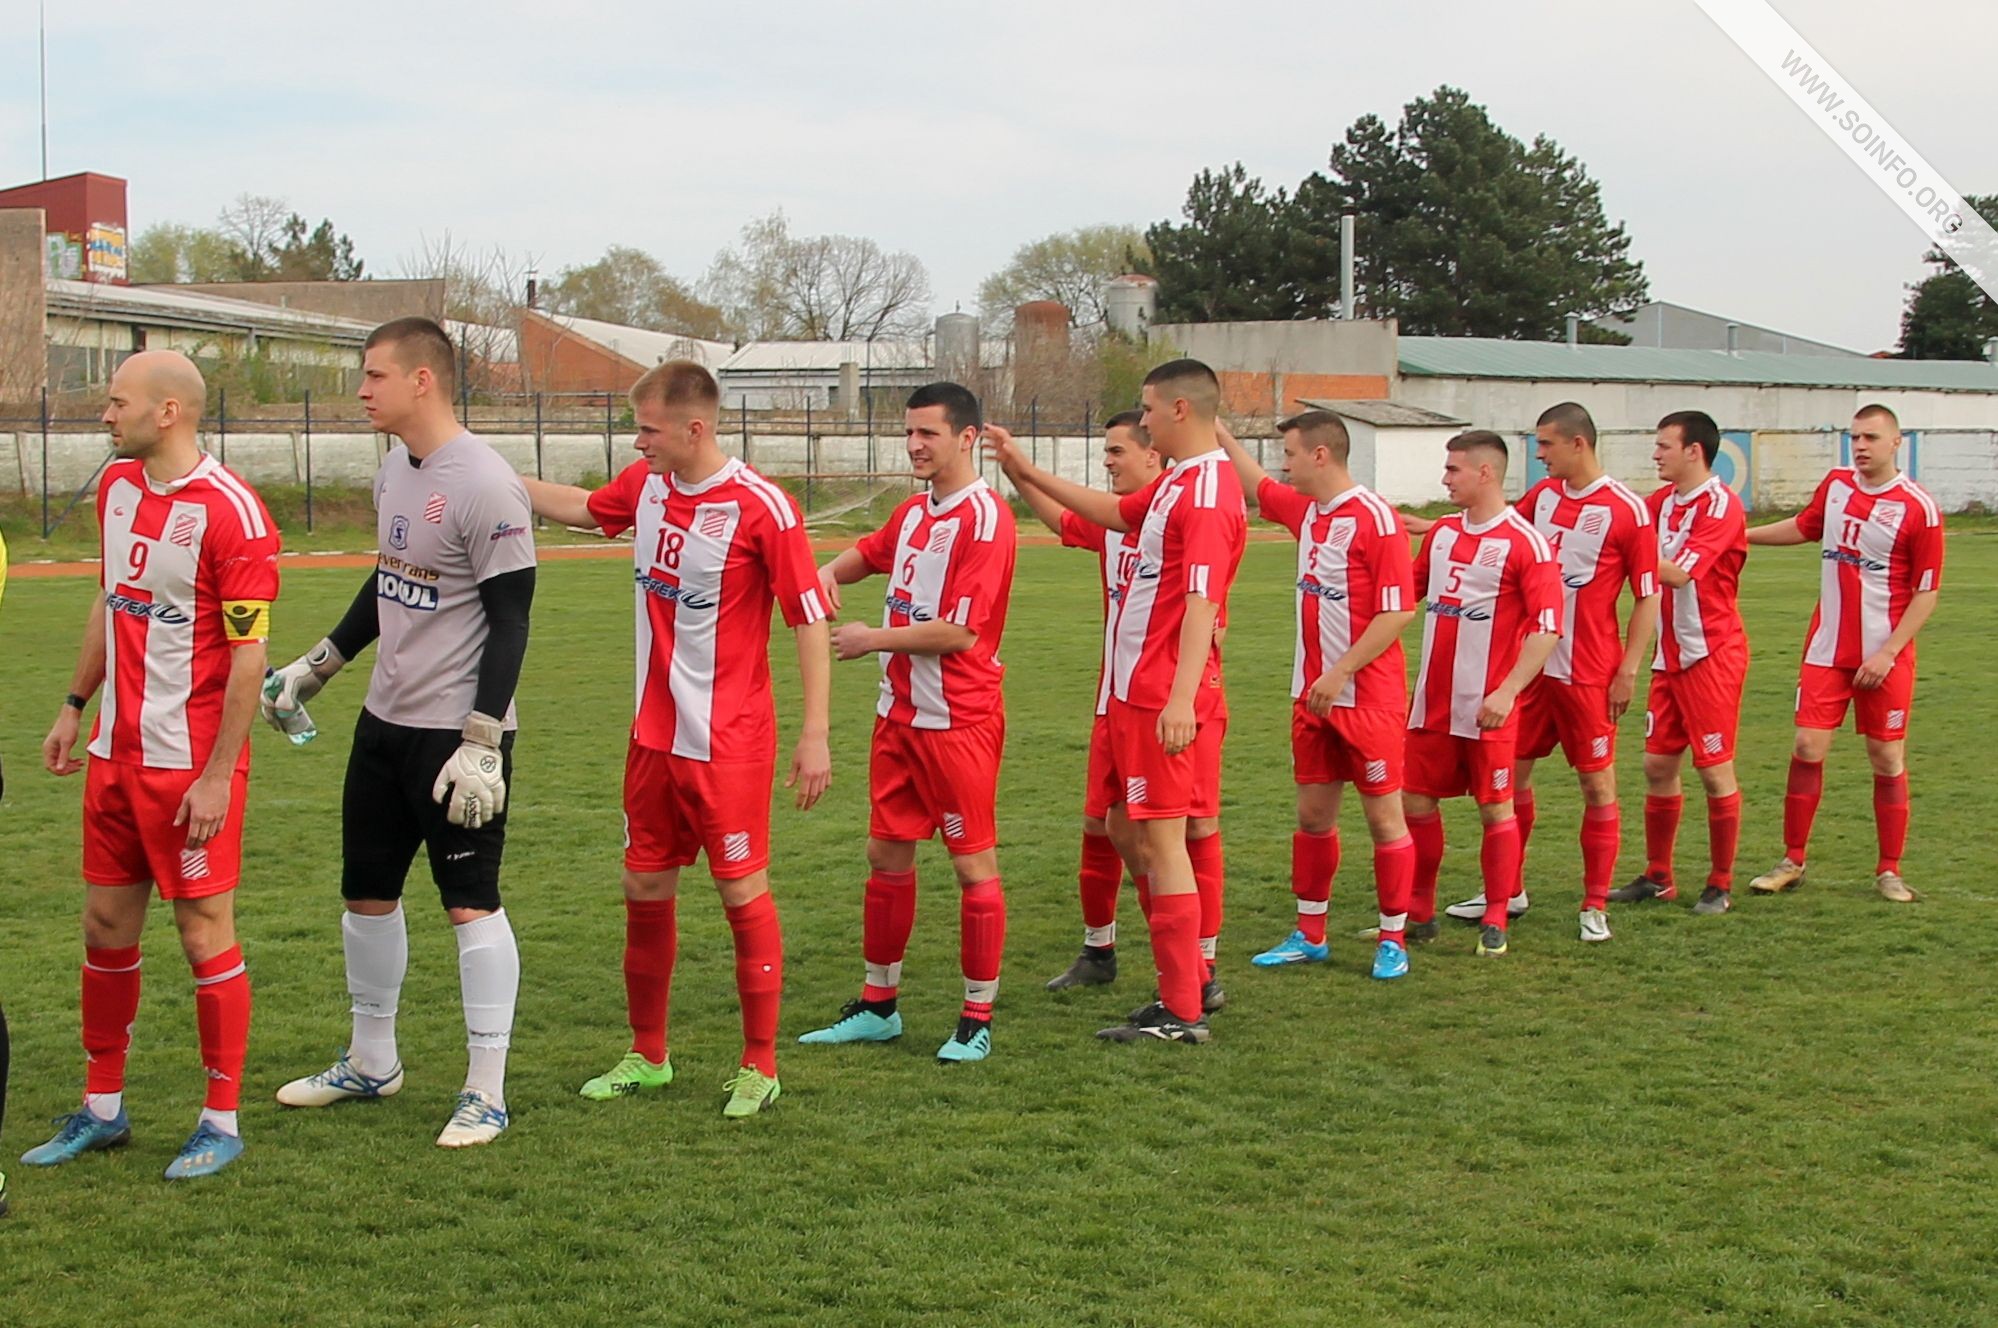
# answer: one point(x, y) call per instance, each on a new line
point(246, 620)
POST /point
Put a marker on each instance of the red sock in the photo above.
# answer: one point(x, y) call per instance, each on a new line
point(759, 978)
point(981, 940)
point(1800, 805)
point(222, 1013)
point(110, 1004)
point(886, 919)
point(1143, 885)
point(1314, 861)
point(1500, 858)
point(651, 940)
point(1890, 819)
point(1210, 881)
point(1602, 833)
point(1175, 924)
point(1394, 882)
point(1524, 810)
point(1661, 832)
point(1097, 879)
point(1427, 833)
point(1723, 835)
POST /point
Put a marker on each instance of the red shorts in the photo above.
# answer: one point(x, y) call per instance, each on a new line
point(926, 780)
point(1443, 765)
point(1363, 748)
point(129, 837)
point(1571, 716)
point(1699, 707)
point(1205, 797)
point(1100, 792)
point(676, 808)
point(1151, 785)
point(1878, 712)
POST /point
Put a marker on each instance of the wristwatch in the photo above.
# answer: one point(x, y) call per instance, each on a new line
point(75, 702)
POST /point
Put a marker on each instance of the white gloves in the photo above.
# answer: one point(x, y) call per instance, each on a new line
point(287, 689)
point(472, 784)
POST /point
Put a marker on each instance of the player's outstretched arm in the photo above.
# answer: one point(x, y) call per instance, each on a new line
point(59, 748)
point(811, 761)
point(847, 567)
point(1381, 633)
point(854, 639)
point(1102, 508)
point(1533, 656)
point(1418, 525)
point(565, 503)
point(1246, 470)
point(1047, 509)
point(1636, 650)
point(1785, 531)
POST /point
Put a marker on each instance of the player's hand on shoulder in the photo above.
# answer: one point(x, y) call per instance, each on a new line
point(829, 590)
point(1417, 525)
point(472, 784)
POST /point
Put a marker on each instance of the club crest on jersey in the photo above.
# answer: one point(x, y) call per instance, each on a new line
point(1595, 521)
point(1491, 553)
point(1888, 515)
point(735, 846)
point(433, 509)
point(941, 536)
point(1341, 537)
point(399, 533)
point(183, 530)
point(714, 522)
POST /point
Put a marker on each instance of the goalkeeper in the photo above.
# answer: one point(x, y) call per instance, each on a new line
point(433, 748)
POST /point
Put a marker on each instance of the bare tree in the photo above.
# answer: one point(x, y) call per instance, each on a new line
point(254, 223)
point(483, 292)
point(774, 285)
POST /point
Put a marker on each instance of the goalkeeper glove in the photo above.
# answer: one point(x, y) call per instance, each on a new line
point(287, 689)
point(472, 784)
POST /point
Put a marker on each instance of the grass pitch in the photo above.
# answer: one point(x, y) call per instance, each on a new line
point(1781, 1116)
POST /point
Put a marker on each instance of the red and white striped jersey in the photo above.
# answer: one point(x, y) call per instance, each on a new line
point(1881, 547)
point(1116, 558)
point(708, 559)
point(190, 572)
point(948, 559)
point(1705, 535)
point(1489, 587)
point(1352, 563)
point(1602, 538)
point(1192, 526)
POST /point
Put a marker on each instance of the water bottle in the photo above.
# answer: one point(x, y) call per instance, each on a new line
point(298, 725)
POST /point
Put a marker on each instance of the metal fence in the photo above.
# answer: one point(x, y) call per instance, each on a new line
point(832, 461)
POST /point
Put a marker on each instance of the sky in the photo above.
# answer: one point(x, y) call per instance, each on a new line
point(959, 132)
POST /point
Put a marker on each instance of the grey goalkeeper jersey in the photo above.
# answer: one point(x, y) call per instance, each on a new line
point(443, 525)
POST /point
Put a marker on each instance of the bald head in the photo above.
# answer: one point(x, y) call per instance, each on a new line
point(159, 376)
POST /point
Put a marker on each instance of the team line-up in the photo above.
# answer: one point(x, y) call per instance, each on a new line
point(1523, 654)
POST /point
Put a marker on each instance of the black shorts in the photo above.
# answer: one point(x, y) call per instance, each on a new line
point(386, 811)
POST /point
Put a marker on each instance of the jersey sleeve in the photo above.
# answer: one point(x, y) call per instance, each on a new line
point(1422, 565)
point(498, 526)
point(243, 559)
point(1540, 584)
point(1133, 506)
point(1081, 533)
point(1640, 553)
point(1393, 571)
point(615, 505)
point(981, 576)
point(1811, 521)
point(1925, 549)
point(1210, 539)
point(877, 549)
point(1711, 536)
point(1279, 502)
point(794, 577)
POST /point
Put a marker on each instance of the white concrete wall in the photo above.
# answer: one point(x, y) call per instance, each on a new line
point(1512, 405)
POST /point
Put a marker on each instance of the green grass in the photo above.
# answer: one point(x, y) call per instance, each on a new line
point(1777, 1117)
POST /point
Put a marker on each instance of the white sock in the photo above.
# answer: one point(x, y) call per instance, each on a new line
point(224, 1121)
point(488, 982)
point(377, 958)
point(104, 1106)
point(1207, 947)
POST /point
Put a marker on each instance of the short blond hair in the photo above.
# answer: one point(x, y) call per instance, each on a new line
point(679, 383)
